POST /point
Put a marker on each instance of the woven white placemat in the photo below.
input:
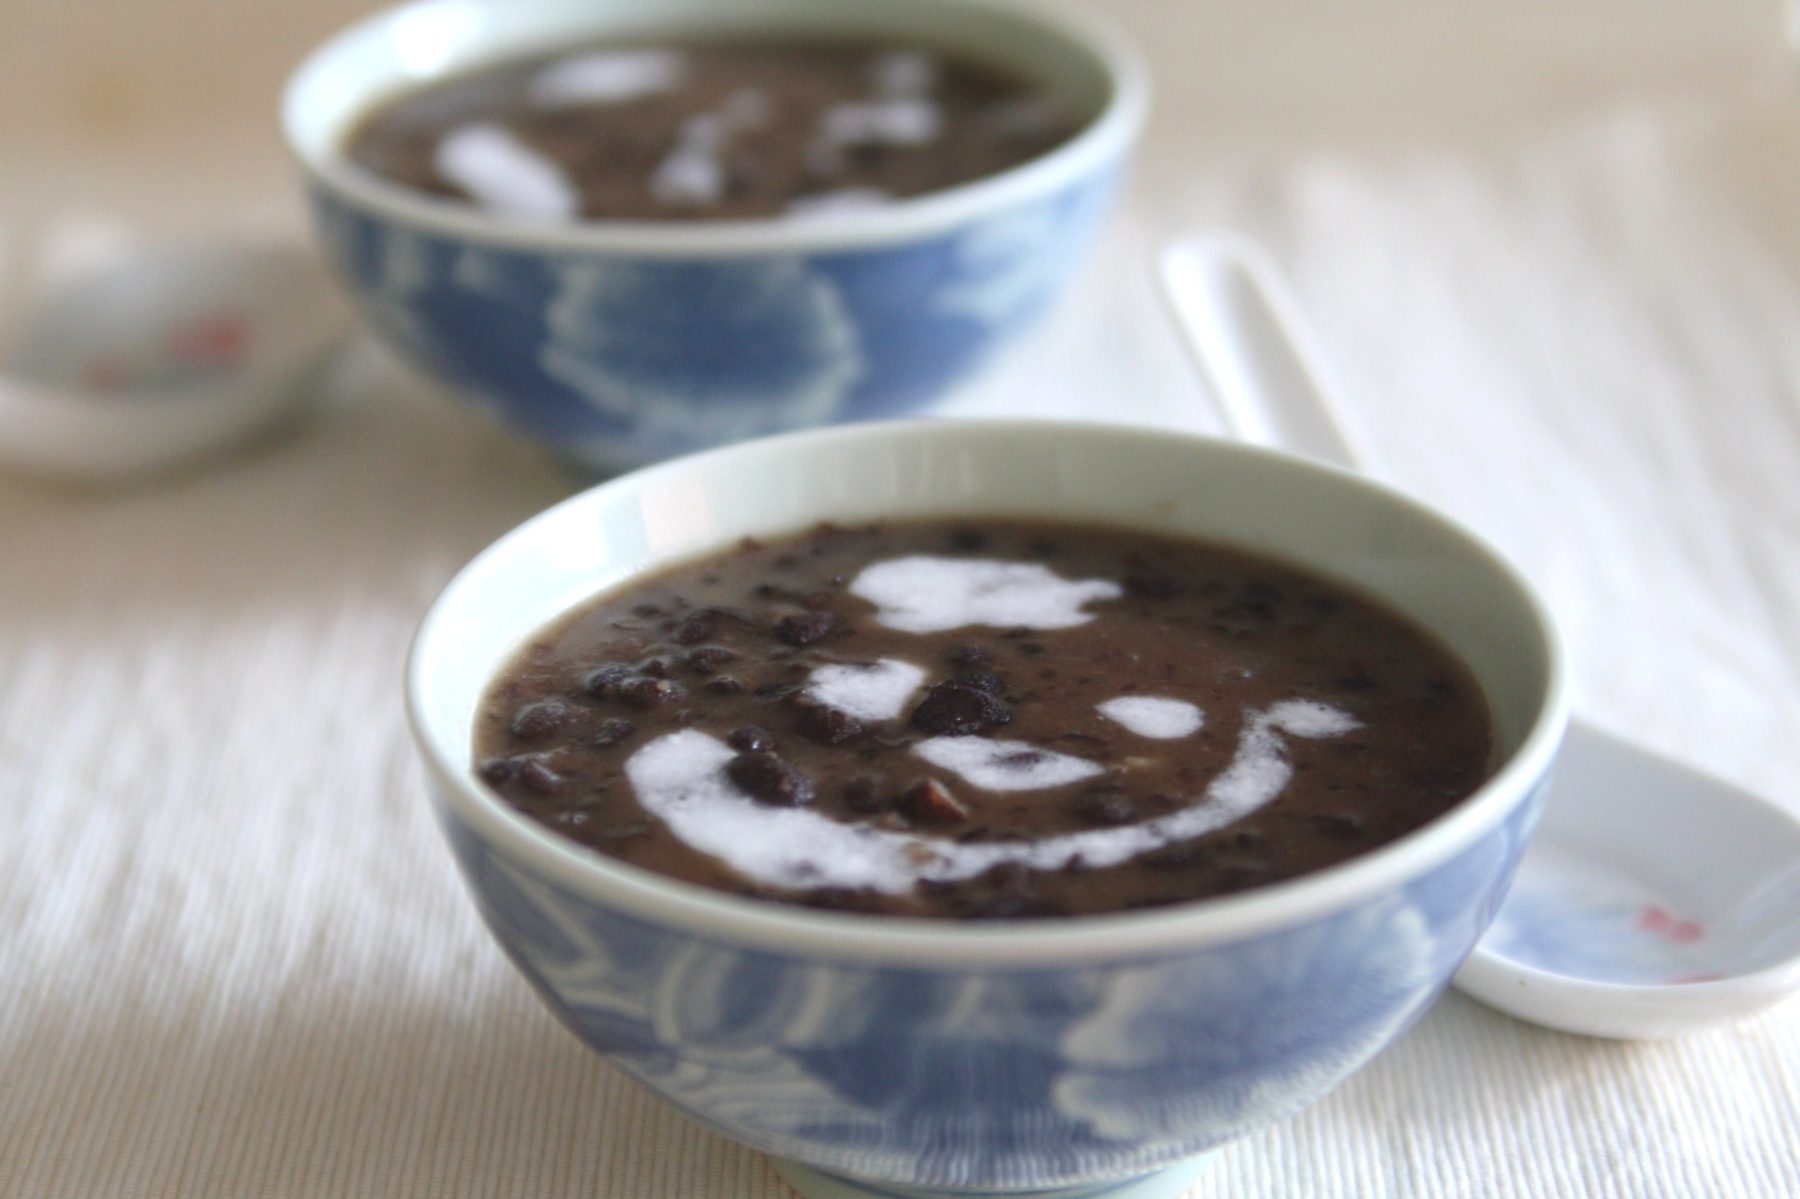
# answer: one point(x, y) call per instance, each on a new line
point(234, 959)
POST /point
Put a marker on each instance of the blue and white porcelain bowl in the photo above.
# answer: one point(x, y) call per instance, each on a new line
point(1097, 1054)
point(617, 343)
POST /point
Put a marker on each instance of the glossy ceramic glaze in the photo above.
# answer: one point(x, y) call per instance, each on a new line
point(1000, 1057)
point(620, 342)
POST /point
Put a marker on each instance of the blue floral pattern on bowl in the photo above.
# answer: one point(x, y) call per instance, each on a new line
point(1002, 1080)
point(616, 360)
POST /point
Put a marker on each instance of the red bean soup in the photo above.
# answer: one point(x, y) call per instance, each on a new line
point(983, 720)
point(710, 130)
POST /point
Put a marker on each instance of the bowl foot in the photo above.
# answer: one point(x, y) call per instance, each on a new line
point(1170, 1182)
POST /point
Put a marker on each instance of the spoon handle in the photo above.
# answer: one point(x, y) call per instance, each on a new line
point(1256, 352)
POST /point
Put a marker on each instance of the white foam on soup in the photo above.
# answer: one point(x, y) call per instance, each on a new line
point(898, 74)
point(689, 176)
point(901, 121)
point(693, 173)
point(680, 778)
point(923, 594)
point(1154, 716)
point(898, 120)
point(505, 175)
point(1260, 768)
point(607, 77)
point(877, 691)
point(995, 765)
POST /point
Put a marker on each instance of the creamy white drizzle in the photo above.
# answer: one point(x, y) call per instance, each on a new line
point(607, 77)
point(505, 175)
point(693, 173)
point(878, 691)
point(924, 594)
point(901, 121)
point(1260, 768)
point(680, 778)
point(1154, 716)
point(898, 119)
point(995, 765)
point(901, 73)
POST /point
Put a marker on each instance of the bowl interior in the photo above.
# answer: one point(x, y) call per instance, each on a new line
point(1337, 524)
point(407, 47)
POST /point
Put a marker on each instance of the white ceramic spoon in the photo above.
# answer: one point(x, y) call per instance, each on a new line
point(165, 356)
point(1654, 899)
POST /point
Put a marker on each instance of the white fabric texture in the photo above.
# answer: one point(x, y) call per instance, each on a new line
point(1556, 259)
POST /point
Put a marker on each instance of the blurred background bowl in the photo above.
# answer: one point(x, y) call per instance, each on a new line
point(616, 343)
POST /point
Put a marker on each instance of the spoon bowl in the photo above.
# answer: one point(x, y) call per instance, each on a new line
point(1654, 900)
point(165, 356)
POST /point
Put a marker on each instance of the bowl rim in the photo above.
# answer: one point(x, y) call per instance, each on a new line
point(1105, 138)
point(891, 940)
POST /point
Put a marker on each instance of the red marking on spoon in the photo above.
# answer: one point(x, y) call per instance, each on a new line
point(1653, 919)
point(220, 339)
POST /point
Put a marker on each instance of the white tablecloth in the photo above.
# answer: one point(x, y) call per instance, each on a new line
point(1556, 257)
